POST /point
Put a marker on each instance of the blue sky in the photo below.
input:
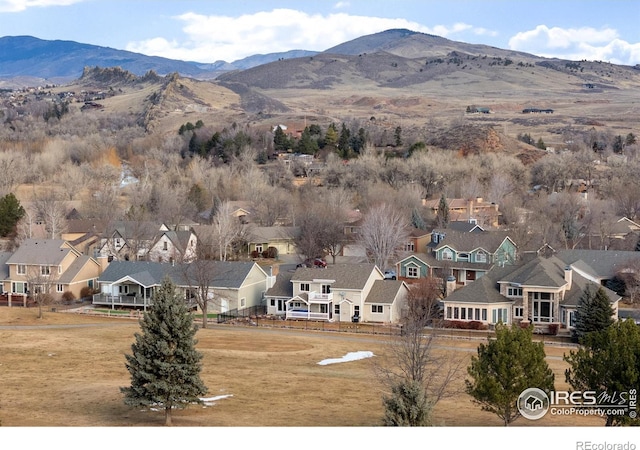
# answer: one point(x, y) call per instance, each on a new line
point(212, 30)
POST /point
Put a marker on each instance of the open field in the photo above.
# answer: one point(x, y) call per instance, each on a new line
point(66, 370)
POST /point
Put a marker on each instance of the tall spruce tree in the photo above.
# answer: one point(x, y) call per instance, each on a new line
point(608, 361)
point(594, 313)
point(407, 406)
point(506, 366)
point(164, 364)
point(443, 212)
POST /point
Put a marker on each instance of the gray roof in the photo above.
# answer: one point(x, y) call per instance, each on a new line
point(131, 229)
point(282, 286)
point(601, 264)
point(384, 291)
point(74, 269)
point(226, 274)
point(4, 268)
point(538, 272)
point(467, 242)
point(346, 276)
point(267, 234)
point(40, 251)
point(432, 262)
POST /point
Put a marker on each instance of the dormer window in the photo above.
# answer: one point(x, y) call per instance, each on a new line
point(463, 256)
point(481, 257)
point(304, 287)
point(447, 254)
point(45, 271)
point(22, 269)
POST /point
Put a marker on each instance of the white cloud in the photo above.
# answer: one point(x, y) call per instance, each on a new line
point(21, 5)
point(341, 5)
point(213, 38)
point(577, 44)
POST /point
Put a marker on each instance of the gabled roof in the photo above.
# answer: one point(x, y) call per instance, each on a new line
point(431, 261)
point(132, 229)
point(548, 272)
point(282, 287)
point(578, 285)
point(69, 275)
point(385, 291)
point(345, 276)
point(179, 238)
point(267, 234)
point(468, 242)
point(463, 226)
point(225, 274)
point(482, 290)
point(49, 252)
point(599, 264)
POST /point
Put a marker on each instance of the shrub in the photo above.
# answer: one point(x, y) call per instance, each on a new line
point(255, 254)
point(68, 296)
point(464, 325)
point(272, 252)
point(553, 328)
point(86, 291)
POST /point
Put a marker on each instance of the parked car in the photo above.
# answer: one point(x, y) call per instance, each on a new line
point(313, 262)
point(390, 274)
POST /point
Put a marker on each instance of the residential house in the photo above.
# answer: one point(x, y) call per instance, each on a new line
point(234, 285)
point(484, 213)
point(259, 239)
point(542, 290)
point(339, 292)
point(617, 233)
point(466, 256)
point(418, 239)
point(4, 271)
point(51, 266)
point(129, 240)
point(173, 246)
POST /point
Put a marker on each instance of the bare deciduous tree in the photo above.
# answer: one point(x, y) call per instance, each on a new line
point(383, 233)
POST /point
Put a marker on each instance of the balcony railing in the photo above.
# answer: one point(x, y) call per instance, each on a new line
point(121, 300)
point(309, 315)
point(320, 298)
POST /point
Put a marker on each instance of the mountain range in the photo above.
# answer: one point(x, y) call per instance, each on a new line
point(27, 56)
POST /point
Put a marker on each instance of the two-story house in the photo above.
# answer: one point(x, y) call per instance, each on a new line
point(541, 290)
point(485, 214)
point(339, 292)
point(464, 255)
point(51, 266)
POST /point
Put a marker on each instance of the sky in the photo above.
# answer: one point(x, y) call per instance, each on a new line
point(213, 30)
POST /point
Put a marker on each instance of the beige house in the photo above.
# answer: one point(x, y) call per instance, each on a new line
point(476, 210)
point(339, 292)
point(260, 239)
point(232, 285)
point(51, 266)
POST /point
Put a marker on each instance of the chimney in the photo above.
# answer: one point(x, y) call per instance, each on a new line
point(568, 276)
point(451, 285)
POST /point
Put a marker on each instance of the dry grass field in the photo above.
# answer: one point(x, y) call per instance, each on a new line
point(65, 370)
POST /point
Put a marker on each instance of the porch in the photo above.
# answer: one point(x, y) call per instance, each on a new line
point(121, 300)
point(316, 306)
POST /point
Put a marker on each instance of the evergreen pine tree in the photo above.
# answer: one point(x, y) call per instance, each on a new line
point(417, 221)
point(407, 406)
point(505, 367)
point(10, 214)
point(443, 211)
point(594, 313)
point(164, 364)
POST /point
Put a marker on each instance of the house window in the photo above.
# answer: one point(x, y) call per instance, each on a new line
point(259, 248)
point(412, 272)
point(324, 308)
point(356, 310)
point(376, 309)
point(463, 313)
point(165, 245)
point(448, 312)
point(336, 310)
point(59, 287)
point(273, 302)
point(243, 302)
point(463, 256)
point(455, 312)
point(326, 289)
point(19, 288)
point(45, 271)
point(542, 311)
point(304, 287)
point(123, 289)
point(447, 254)
point(22, 269)
point(518, 311)
point(499, 315)
point(481, 257)
point(409, 247)
point(470, 313)
point(484, 314)
point(477, 314)
point(514, 292)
